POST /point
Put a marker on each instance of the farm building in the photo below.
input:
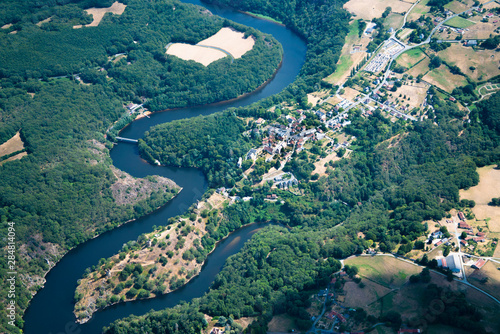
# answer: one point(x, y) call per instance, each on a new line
point(479, 264)
point(451, 262)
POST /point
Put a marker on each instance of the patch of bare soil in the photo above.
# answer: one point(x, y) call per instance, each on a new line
point(130, 190)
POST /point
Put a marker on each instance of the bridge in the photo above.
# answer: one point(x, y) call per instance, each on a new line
point(127, 140)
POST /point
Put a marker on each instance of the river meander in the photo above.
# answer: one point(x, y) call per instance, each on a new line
point(51, 309)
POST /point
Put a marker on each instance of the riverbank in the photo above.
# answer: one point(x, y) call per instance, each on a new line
point(153, 265)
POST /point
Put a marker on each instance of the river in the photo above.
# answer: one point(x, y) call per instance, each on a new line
point(51, 309)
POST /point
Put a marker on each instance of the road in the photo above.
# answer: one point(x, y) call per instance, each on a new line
point(407, 47)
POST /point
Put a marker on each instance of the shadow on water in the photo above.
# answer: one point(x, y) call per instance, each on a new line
point(51, 309)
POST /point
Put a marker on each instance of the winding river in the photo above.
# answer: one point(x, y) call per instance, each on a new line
point(51, 309)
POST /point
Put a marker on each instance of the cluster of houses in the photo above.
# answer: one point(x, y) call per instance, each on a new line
point(437, 239)
point(476, 237)
point(133, 107)
point(294, 134)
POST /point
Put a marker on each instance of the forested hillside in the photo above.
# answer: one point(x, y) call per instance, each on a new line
point(60, 194)
point(141, 33)
point(213, 143)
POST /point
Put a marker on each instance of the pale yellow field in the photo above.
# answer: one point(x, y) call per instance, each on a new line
point(7, 26)
point(375, 8)
point(488, 188)
point(15, 157)
point(349, 93)
point(481, 30)
point(312, 99)
point(416, 93)
point(490, 271)
point(12, 145)
point(200, 54)
point(98, 13)
point(231, 41)
point(227, 39)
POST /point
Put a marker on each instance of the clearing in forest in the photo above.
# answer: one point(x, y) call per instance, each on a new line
point(488, 188)
point(98, 13)
point(385, 270)
point(225, 42)
point(353, 52)
point(231, 41)
point(374, 9)
point(12, 145)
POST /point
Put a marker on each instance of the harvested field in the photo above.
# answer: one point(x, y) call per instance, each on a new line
point(199, 54)
point(488, 188)
point(375, 8)
point(481, 30)
point(444, 79)
point(334, 100)
point(12, 145)
point(7, 26)
point(490, 272)
point(98, 13)
point(207, 51)
point(457, 7)
point(231, 41)
point(385, 270)
point(415, 94)
point(410, 58)
point(459, 22)
point(361, 297)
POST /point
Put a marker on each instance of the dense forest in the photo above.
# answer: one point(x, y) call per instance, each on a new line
point(214, 144)
point(59, 195)
point(146, 73)
point(323, 24)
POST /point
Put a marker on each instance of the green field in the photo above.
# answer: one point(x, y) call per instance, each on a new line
point(410, 58)
point(345, 61)
point(343, 66)
point(459, 22)
point(385, 270)
point(444, 79)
